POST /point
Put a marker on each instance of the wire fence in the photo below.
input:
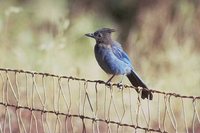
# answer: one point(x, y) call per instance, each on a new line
point(47, 103)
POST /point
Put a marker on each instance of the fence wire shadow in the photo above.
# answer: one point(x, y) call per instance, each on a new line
point(47, 103)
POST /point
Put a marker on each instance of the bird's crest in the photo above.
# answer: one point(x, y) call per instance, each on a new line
point(108, 30)
point(102, 35)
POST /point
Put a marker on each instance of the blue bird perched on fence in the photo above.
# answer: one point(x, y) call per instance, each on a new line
point(113, 60)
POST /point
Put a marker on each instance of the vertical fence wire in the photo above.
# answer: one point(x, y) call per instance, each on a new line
point(45, 103)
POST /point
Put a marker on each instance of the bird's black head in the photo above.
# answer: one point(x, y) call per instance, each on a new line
point(102, 35)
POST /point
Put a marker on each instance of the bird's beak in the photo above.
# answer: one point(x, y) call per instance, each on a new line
point(90, 35)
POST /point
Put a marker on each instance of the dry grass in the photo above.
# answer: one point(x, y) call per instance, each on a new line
point(165, 51)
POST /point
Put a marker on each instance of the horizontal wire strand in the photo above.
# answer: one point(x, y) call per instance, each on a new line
point(57, 84)
point(97, 81)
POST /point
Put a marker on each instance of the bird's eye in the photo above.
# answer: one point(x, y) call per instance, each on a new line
point(95, 33)
point(99, 35)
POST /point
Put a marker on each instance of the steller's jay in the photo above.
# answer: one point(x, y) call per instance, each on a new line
point(113, 60)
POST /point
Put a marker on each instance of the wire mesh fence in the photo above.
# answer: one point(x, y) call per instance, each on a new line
point(47, 103)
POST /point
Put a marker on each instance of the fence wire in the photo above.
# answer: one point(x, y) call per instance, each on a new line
point(47, 103)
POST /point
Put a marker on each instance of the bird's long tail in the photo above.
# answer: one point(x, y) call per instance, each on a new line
point(137, 82)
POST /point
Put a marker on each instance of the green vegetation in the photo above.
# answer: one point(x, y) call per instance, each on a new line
point(163, 39)
point(164, 47)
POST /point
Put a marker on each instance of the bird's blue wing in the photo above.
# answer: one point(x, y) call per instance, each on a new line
point(120, 54)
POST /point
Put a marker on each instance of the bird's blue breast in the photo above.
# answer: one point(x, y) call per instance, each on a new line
point(112, 59)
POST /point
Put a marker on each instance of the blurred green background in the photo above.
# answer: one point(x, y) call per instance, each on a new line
point(161, 37)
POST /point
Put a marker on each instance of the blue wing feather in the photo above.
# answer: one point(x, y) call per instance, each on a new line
point(120, 54)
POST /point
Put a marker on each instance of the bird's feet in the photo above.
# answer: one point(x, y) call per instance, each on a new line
point(108, 83)
point(120, 85)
